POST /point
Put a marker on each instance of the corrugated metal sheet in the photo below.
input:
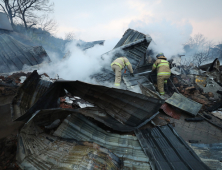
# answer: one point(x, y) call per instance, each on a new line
point(133, 45)
point(127, 147)
point(4, 22)
point(130, 36)
point(167, 150)
point(135, 82)
point(101, 116)
point(40, 151)
point(14, 55)
point(127, 107)
point(184, 104)
point(210, 154)
point(28, 94)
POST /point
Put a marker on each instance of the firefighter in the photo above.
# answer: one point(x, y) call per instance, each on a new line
point(163, 72)
point(117, 66)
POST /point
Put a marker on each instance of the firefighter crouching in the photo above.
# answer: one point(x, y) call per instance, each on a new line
point(117, 66)
point(163, 71)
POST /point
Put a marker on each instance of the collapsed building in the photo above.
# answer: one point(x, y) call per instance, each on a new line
point(63, 124)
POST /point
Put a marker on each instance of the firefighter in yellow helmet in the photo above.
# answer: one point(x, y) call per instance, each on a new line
point(117, 66)
point(163, 71)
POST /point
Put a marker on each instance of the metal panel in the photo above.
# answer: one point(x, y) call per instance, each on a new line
point(127, 107)
point(133, 46)
point(167, 150)
point(38, 150)
point(15, 54)
point(101, 116)
point(4, 22)
point(129, 36)
point(210, 154)
point(184, 104)
point(28, 94)
point(170, 111)
point(127, 147)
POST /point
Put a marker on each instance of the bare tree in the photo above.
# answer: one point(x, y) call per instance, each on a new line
point(47, 24)
point(199, 50)
point(69, 36)
point(10, 7)
point(29, 11)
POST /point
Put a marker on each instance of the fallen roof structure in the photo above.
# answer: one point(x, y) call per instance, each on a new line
point(38, 150)
point(210, 154)
point(132, 45)
point(4, 22)
point(127, 107)
point(28, 94)
point(14, 55)
point(167, 150)
point(127, 147)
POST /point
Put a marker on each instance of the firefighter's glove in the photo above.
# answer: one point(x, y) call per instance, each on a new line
point(131, 74)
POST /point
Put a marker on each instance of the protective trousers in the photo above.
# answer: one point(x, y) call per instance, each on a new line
point(161, 79)
point(117, 71)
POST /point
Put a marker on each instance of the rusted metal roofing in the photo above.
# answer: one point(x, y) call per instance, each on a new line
point(170, 111)
point(79, 128)
point(38, 150)
point(134, 47)
point(167, 150)
point(129, 108)
point(4, 22)
point(28, 94)
point(14, 55)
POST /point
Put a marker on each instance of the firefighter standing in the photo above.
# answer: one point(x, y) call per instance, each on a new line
point(117, 66)
point(163, 72)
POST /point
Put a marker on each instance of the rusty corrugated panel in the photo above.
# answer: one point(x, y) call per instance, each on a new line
point(184, 104)
point(167, 150)
point(38, 150)
point(79, 128)
point(170, 111)
point(129, 108)
point(14, 54)
point(28, 94)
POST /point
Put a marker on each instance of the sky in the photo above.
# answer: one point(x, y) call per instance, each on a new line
point(93, 20)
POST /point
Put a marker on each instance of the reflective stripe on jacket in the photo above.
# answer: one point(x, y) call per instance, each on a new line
point(122, 62)
point(162, 66)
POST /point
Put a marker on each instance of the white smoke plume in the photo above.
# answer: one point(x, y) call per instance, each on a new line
point(168, 37)
point(80, 64)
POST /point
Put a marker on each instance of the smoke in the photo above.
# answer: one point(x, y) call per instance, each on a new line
point(80, 64)
point(168, 37)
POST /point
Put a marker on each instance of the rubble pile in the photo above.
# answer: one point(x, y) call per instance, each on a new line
point(61, 124)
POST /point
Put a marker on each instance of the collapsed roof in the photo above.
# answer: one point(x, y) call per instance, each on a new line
point(132, 45)
point(14, 54)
